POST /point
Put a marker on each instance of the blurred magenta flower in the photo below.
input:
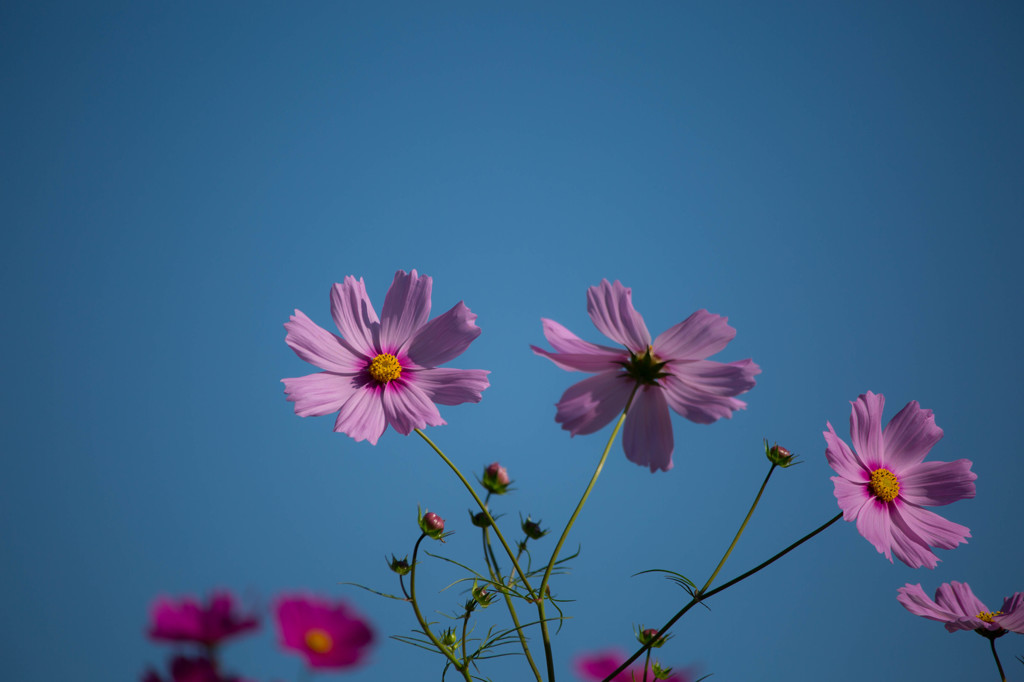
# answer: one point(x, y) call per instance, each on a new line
point(383, 372)
point(598, 665)
point(184, 669)
point(328, 635)
point(186, 620)
point(883, 483)
point(957, 607)
point(672, 372)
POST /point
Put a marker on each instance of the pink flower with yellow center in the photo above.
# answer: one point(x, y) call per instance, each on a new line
point(329, 636)
point(670, 371)
point(383, 371)
point(957, 607)
point(884, 484)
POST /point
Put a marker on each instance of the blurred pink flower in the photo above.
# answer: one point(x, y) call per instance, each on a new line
point(957, 607)
point(186, 620)
point(327, 635)
point(672, 371)
point(884, 484)
point(598, 665)
point(184, 669)
point(383, 372)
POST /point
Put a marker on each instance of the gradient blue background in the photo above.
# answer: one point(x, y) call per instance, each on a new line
point(844, 182)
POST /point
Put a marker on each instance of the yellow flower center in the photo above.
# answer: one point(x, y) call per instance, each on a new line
point(385, 367)
point(987, 616)
point(318, 641)
point(884, 485)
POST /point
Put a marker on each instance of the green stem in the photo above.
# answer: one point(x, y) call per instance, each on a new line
point(647, 664)
point(698, 597)
point(1002, 675)
point(423, 622)
point(736, 539)
point(483, 508)
point(565, 534)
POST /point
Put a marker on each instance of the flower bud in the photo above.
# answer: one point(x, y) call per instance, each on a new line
point(482, 595)
point(449, 638)
point(432, 525)
point(659, 672)
point(496, 479)
point(533, 529)
point(778, 455)
point(651, 635)
point(399, 566)
point(479, 519)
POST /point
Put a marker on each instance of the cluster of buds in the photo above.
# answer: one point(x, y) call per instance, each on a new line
point(431, 524)
point(496, 479)
point(779, 455)
point(651, 636)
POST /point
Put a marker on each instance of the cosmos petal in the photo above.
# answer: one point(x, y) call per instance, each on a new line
point(407, 407)
point(647, 437)
point(611, 309)
point(444, 338)
point(355, 317)
point(317, 395)
point(866, 428)
point(699, 336)
point(447, 386)
point(591, 404)
point(937, 483)
point(909, 436)
point(406, 309)
point(319, 347)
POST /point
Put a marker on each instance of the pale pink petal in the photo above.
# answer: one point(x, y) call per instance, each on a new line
point(909, 436)
point(873, 523)
point(447, 386)
point(842, 459)
point(937, 483)
point(696, 404)
point(866, 428)
point(959, 599)
point(354, 314)
point(319, 347)
point(611, 308)
point(443, 338)
point(907, 545)
point(406, 309)
point(717, 378)
point(591, 404)
point(699, 336)
point(851, 496)
point(933, 529)
point(316, 395)
point(575, 354)
point(1013, 613)
point(362, 415)
point(914, 599)
point(408, 407)
point(647, 435)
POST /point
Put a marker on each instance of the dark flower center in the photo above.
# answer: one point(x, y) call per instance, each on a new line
point(645, 368)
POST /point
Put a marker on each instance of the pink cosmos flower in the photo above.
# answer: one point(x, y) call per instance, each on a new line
point(327, 635)
point(884, 485)
point(186, 620)
point(957, 607)
point(599, 665)
point(184, 669)
point(672, 371)
point(385, 371)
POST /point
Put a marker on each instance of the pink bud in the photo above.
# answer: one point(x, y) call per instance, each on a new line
point(498, 473)
point(433, 521)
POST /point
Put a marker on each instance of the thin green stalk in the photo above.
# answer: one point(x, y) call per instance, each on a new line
point(1002, 675)
point(483, 508)
point(698, 597)
point(736, 539)
point(423, 622)
point(647, 664)
point(565, 534)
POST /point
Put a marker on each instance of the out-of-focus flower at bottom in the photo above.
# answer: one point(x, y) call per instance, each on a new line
point(328, 635)
point(598, 665)
point(185, 669)
point(187, 620)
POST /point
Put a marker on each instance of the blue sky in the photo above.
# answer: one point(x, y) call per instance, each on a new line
point(843, 181)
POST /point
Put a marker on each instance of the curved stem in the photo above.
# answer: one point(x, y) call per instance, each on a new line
point(483, 508)
point(423, 622)
point(1002, 675)
point(647, 664)
point(565, 534)
point(738, 533)
point(701, 597)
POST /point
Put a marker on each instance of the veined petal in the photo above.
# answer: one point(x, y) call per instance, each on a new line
point(407, 407)
point(564, 341)
point(406, 309)
point(316, 395)
point(319, 347)
point(443, 338)
point(1013, 613)
point(851, 496)
point(842, 459)
point(717, 378)
point(907, 545)
point(647, 437)
point(585, 362)
point(699, 336)
point(589, 405)
point(866, 427)
point(354, 314)
point(936, 483)
point(909, 436)
point(362, 415)
point(611, 308)
point(873, 523)
point(935, 530)
point(446, 386)
point(914, 599)
point(695, 403)
point(958, 599)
